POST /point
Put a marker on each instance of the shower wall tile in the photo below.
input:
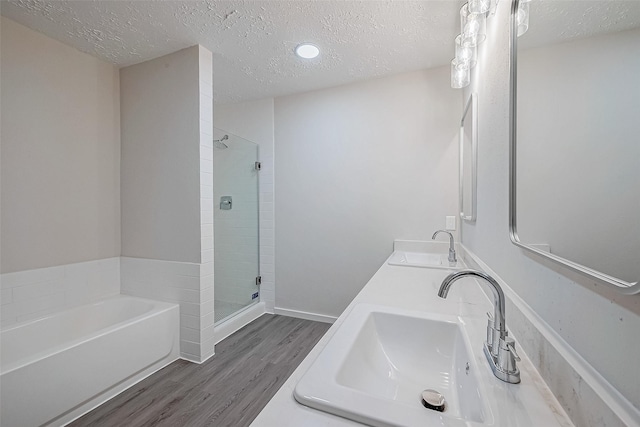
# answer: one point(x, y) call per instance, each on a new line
point(267, 227)
point(208, 255)
point(207, 229)
point(34, 293)
point(6, 296)
point(207, 244)
point(208, 333)
point(266, 197)
point(205, 179)
point(206, 269)
point(206, 294)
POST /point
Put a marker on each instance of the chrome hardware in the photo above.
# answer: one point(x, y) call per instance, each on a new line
point(511, 344)
point(499, 349)
point(492, 333)
point(226, 203)
point(257, 166)
point(452, 250)
point(258, 280)
point(432, 399)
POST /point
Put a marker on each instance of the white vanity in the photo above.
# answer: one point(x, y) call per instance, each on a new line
point(397, 338)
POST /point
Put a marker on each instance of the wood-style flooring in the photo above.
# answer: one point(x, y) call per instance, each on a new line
point(230, 389)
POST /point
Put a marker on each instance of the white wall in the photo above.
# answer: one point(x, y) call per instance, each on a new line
point(578, 175)
point(160, 104)
point(600, 325)
point(358, 166)
point(60, 169)
point(253, 120)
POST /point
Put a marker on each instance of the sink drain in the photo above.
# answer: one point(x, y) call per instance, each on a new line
point(431, 399)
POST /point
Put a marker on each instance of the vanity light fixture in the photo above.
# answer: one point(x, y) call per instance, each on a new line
point(307, 51)
point(473, 26)
point(473, 31)
point(523, 17)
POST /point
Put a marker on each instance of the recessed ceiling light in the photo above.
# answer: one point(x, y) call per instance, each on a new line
point(307, 50)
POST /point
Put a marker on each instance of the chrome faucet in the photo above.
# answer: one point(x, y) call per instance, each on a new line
point(452, 248)
point(499, 348)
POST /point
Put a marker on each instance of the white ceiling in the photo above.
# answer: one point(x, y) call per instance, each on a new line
point(556, 21)
point(253, 41)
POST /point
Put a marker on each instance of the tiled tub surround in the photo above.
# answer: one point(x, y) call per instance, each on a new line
point(529, 403)
point(91, 353)
point(183, 283)
point(34, 293)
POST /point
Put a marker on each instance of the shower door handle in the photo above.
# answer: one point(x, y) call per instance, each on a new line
point(226, 203)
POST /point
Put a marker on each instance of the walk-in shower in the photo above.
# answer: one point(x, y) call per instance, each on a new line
point(236, 259)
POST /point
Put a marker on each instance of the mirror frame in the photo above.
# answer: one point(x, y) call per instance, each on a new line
point(470, 115)
point(628, 288)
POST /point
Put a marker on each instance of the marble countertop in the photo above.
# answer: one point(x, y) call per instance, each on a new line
point(529, 403)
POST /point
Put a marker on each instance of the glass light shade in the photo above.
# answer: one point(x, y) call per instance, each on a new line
point(494, 5)
point(460, 76)
point(522, 17)
point(464, 15)
point(473, 26)
point(466, 56)
point(479, 6)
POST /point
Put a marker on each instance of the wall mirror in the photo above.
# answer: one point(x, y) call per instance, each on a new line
point(468, 159)
point(575, 136)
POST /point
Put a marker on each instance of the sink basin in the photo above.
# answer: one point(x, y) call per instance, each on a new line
point(423, 259)
point(375, 367)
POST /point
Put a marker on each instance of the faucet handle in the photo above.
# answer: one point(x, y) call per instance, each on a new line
point(511, 345)
point(491, 331)
point(507, 357)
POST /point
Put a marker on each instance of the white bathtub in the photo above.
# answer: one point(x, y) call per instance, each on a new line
point(54, 369)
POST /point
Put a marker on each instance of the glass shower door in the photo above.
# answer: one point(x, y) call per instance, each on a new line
point(236, 258)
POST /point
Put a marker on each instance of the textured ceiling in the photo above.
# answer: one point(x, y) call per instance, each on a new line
point(555, 21)
point(253, 41)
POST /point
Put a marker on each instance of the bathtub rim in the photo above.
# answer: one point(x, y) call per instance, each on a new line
point(157, 307)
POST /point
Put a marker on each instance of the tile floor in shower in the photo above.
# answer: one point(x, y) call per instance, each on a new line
point(224, 309)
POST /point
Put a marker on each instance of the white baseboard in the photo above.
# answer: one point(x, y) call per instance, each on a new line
point(190, 358)
point(304, 315)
